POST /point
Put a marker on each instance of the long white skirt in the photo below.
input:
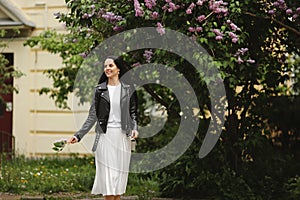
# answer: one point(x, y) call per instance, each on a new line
point(112, 158)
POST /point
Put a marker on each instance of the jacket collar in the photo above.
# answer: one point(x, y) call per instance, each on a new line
point(103, 85)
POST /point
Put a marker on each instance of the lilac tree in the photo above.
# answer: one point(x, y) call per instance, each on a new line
point(254, 43)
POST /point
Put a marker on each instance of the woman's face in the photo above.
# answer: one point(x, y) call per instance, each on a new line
point(110, 68)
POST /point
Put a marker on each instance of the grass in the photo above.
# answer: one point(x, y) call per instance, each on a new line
point(56, 175)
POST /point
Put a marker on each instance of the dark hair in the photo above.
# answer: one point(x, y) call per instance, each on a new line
point(120, 64)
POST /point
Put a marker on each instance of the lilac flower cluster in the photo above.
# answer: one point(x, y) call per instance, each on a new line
point(219, 7)
point(138, 9)
point(219, 34)
point(150, 4)
point(200, 2)
point(190, 9)
point(233, 26)
point(170, 6)
point(160, 29)
point(154, 15)
point(83, 54)
point(111, 17)
point(241, 52)
point(201, 18)
point(195, 29)
point(234, 37)
point(281, 5)
point(136, 64)
point(148, 55)
point(89, 15)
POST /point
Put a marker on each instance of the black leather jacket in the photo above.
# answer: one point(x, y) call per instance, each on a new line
point(100, 108)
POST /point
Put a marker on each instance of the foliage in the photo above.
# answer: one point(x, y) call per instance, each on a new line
point(144, 186)
point(293, 187)
point(255, 45)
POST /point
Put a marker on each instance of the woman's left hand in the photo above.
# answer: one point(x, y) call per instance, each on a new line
point(134, 134)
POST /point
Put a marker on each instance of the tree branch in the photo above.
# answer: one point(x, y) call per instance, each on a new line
point(276, 21)
point(155, 96)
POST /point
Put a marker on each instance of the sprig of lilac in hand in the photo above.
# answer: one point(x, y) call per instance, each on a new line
point(58, 145)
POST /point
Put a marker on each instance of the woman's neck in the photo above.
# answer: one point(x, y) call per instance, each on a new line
point(113, 81)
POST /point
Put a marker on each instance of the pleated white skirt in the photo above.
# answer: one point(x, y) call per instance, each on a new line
point(112, 158)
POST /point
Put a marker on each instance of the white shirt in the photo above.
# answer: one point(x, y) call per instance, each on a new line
point(114, 119)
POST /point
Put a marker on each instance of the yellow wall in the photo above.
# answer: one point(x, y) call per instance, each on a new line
point(36, 120)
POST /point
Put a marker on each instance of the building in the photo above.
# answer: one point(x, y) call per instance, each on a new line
point(30, 122)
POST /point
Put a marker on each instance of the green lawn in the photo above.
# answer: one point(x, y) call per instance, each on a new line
point(56, 175)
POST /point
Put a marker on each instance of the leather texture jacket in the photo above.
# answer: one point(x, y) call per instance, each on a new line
point(100, 108)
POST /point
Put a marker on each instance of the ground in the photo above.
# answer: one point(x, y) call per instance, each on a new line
point(60, 196)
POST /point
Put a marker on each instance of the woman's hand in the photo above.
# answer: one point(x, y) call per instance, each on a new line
point(134, 134)
point(73, 140)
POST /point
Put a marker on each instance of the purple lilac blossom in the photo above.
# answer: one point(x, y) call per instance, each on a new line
point(83, 55)
point(111, 17)
point(85, 16)
point(160, 29)
point(234, 27)
point(251, 61)
point(199, 29)
point(201, 18)
point(234, 40)
point(192, 6)
point(242, 51)
point(154, 15)
point(298, 10)
point(219, 7)
point(118, 28)
point(188, 11)
point(170, 6)
point(295, 16)
point(276, 4)
point(136, 64)
point(200, 2)
point(271, 12)
point(289, 11)
point(191, 29)
point(148, 55)
point(138, 9)
point(218, 37)
point(150, 3)
point(217, 32)
point(239, 60)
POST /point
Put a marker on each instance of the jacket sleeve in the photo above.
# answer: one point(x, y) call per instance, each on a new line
point(133, 109)
point(89, 122)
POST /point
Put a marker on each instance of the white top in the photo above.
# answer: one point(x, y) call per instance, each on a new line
point(114, 119)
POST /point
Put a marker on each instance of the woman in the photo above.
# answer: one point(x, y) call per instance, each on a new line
point(114, 108)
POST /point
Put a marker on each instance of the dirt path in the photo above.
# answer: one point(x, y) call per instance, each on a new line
point(88, 196)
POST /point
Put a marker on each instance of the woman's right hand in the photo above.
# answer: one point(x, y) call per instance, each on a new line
point(73, 140)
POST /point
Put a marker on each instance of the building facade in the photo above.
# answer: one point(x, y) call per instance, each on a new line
point(33, 120)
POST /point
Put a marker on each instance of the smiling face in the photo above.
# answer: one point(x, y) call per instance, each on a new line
point(110, 68)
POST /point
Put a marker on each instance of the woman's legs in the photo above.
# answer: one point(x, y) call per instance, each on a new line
point(118, 197)
point(111, 197)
